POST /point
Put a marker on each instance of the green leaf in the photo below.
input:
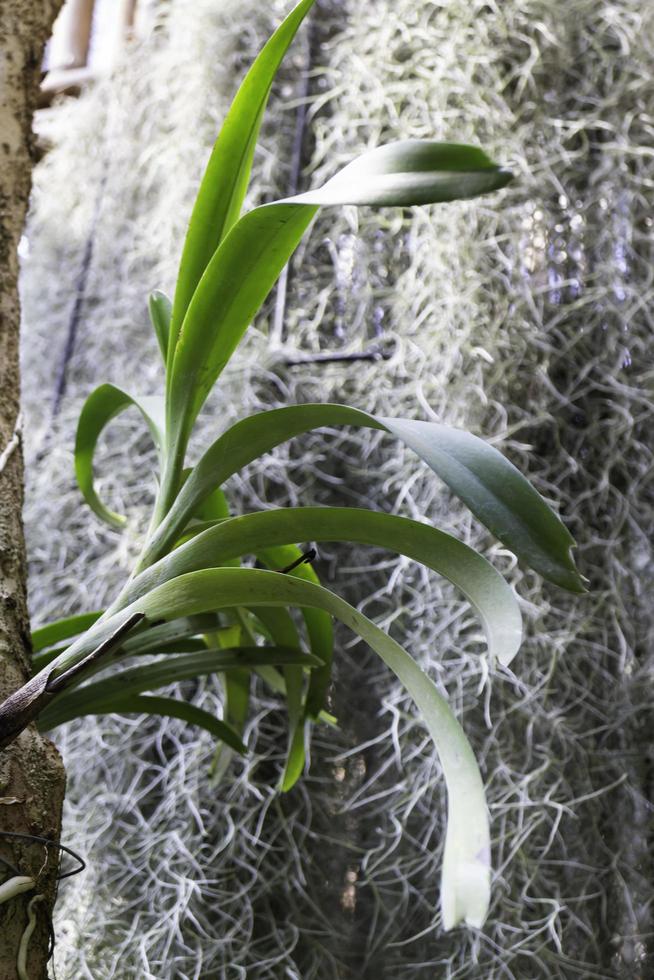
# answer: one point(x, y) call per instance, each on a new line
point(249, 259)
point(102, 405)
point(160, 309)
point(410, 172)
point(281, 627)
point(242, 443)
point(220, 198)
point(183, 636)
point(171, 636)
point(237, 702)
point(321, 643)
point(167, 707)
point(465, 884)
point(231, 291)
point(482, 585)
point(62, 629)
point(237, 690)
point(320, 633)
point(496, 492)
point(215, 507)
point(112, 689)
point(236, 683)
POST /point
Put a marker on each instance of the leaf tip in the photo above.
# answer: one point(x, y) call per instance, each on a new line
point(505, 176)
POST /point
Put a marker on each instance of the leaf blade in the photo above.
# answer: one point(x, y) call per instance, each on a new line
point(497, 494)
point(220, 198)
point(483, 478)
point(160, 310)
point(483, 586)
point(62, 629)
point(246, 264)
point(133, 680)
point(102, 405)
point(320, 633)
point(465, 881)
point(167, 707)
point(465, 886)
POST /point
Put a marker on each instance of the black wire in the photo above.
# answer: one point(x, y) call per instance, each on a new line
point(48, 843)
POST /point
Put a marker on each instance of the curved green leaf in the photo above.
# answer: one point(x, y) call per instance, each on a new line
point(281, 627)
point(410, 172)
point(225, 181)
point(167, 707)
point(465, 884)
point(79, 701)
point(483, 586)
point(62, 629)
point(235, 283)
point(497, 494)
point(239, 445)
point(494, 490)
point(160, 309)
point(184, 635)
point(319, 631)
point(249, 259)
point(102, 405)
point(237, 685)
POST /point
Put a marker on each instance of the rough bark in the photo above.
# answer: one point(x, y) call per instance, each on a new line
point(32, 777)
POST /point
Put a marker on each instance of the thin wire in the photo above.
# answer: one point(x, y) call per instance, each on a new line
point(48, 843)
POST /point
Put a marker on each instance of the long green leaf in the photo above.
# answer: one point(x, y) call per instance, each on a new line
point(410, 172)
point(62, 629)
point(249, 259)
point(183, 636)
point(169, 670)
point(220, 198)
point(320, 633)
point(496, 493)
point(160, 309)
point(482, 585)
point(280, 625)
point(465, 884)
point(493, 489)
point(237, 280)
point(102, 405)
point(154, 705)
point(237, 685)
point(171, 636)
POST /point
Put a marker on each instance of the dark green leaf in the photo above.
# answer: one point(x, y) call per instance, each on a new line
point(75, 702)
point(488, 483)
point(160, 310)
point(248, 261)
point(167, 707)
point(466, 865)
point(281, 627)
point(62, 629)
point(100, 407)
point(497, 494)
point(321, 642)
point(220, 198)
point(485, 588)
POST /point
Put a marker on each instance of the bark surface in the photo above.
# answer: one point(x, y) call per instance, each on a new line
point(32, 778)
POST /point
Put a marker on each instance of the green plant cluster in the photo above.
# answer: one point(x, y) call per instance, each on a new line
point(189, 599)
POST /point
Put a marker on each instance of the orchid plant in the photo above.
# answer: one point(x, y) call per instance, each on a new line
point(189, 600)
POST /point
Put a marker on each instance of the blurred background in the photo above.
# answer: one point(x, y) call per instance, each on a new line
point(525, 317)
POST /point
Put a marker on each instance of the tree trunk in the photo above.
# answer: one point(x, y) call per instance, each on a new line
point(32, 777)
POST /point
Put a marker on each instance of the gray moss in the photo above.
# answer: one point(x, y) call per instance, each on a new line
point(523, 317)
